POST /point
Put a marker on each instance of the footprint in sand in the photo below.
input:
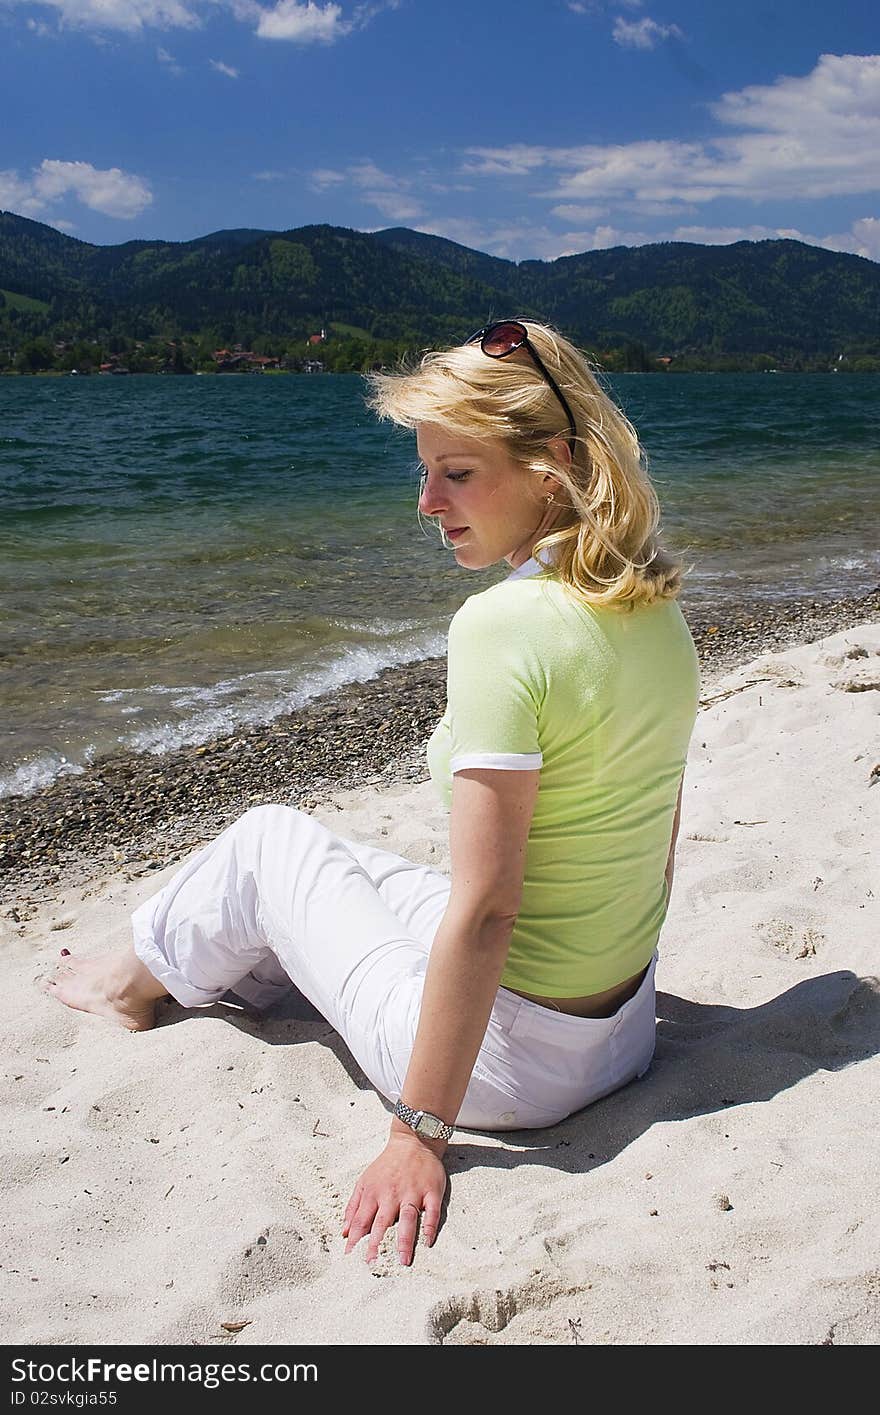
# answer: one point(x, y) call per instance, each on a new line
point(790, 939)
point(277, 1258)
point(472, 1319)
point(859, 681)
point(839, 659)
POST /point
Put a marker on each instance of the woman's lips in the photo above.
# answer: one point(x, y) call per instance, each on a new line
point(459, 531)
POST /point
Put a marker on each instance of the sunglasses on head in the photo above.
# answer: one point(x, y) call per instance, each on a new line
point(503, 338)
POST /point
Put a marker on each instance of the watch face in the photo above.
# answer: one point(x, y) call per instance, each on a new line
point(429, 1126)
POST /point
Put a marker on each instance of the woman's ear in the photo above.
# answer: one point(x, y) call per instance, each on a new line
point(560, 453)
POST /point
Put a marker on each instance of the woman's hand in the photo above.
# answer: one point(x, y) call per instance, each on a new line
point(407, 1180)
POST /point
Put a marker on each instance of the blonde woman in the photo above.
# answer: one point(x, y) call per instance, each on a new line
point(521, 988)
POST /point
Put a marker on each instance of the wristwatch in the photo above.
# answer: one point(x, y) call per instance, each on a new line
point(429, 1126)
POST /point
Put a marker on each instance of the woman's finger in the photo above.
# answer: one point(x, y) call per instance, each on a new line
point(351, 1207)
point(407, 1228)
point(431, 1217)
point(380, 1225)
point(360, 1223)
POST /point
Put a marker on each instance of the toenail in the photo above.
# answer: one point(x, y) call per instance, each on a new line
point(65, 953)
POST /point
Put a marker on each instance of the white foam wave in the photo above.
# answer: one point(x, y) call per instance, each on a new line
point(189, 714)
point(29, 777)
point(250, 699)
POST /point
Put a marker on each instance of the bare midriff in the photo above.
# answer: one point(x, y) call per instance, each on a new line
point(597, 1004)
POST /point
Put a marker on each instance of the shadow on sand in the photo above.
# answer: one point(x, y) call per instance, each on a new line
point(708, 1059)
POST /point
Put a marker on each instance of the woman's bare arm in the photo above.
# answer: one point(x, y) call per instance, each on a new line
point(489, 826)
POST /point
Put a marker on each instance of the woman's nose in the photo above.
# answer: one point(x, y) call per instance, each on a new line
point(431, 497)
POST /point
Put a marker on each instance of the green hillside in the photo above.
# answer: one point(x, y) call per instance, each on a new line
point(751, 304)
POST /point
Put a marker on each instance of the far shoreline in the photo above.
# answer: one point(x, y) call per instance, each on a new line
point(139, 812)
point(359, 373)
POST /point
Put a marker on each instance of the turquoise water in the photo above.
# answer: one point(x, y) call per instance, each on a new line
point(180, 556)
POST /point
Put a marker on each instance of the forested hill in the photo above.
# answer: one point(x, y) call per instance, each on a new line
point(778, 300)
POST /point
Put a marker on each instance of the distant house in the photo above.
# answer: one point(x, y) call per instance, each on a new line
point(242, 361)
point(316, 338)
point(313, 366)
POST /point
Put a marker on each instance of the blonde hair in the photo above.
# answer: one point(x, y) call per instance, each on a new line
point(606, 542)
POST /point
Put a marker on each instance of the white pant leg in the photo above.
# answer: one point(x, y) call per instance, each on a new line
point(352, 926)
point(417, 894)
point(277, 882)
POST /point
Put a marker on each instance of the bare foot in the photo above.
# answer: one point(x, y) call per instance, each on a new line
point(117, 986)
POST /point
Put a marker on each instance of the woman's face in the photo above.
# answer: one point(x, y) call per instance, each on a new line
point(489, 507)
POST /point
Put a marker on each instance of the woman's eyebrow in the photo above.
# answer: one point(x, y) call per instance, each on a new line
point(457, 457)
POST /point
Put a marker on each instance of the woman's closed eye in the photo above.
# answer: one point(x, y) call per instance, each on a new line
point(457, 476)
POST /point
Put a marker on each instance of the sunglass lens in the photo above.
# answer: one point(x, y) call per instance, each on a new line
point(501, 339)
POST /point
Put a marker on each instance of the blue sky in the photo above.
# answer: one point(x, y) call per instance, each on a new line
point(526, 128)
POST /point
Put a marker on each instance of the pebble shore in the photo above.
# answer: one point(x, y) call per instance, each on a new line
point(139, 812)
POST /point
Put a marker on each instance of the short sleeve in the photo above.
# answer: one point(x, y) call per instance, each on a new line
point(494, 691)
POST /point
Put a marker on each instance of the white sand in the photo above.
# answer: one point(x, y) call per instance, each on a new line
point(157, 1185)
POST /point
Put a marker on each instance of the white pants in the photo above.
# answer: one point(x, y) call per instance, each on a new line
point(278, 897)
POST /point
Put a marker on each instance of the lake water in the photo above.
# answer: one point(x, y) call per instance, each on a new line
point(182, 555)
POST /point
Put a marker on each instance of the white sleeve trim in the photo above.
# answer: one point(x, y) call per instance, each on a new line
point(498, 761)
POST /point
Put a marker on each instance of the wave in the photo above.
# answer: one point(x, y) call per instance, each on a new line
point(32, 776)
point(190, 714)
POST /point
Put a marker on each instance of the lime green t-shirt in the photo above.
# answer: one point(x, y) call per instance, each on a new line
point(603, 701)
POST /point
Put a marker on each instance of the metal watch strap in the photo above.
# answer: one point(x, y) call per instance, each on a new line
point(410, 1117)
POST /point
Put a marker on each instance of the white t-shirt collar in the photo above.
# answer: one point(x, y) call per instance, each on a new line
point(532, 565)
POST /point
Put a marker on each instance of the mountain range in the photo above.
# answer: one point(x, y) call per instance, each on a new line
point(776, 298)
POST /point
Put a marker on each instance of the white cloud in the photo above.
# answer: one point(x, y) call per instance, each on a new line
point(222, 68)
point(579, 213)
point(110, 191)
point(866, 231)
point(127, 16)
point(658, 208)
point(863, 238)
point(367, 174)
point(304, 24)
point(642, 34)
point(814, 136)
point(395, 206)
point(596, 7)
point(389, 194)
point(324, 177)
point(808, 137)
point(169, 62)
point(299, 21)
point(513, 161)
point(14, 194)
point(446, 187)
point(524, 240)
point(726, 235)
point(602, 238)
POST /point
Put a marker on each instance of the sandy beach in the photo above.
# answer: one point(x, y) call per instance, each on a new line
point(159, 1185)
